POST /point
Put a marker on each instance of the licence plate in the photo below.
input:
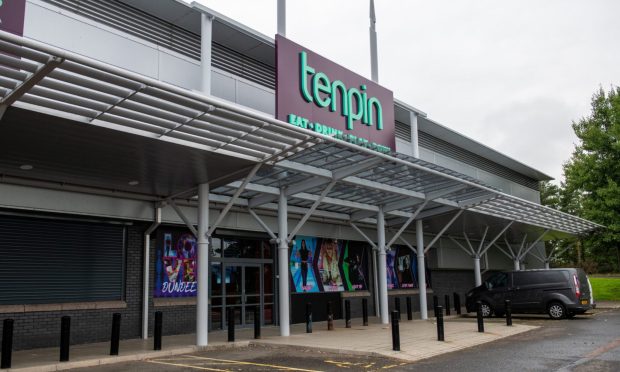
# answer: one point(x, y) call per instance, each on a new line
point(584, 302)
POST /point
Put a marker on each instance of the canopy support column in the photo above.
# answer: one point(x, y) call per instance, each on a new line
point(419, 235)
point(145, 274)
point(383, 295)
point(202, 302)
point(283, 287)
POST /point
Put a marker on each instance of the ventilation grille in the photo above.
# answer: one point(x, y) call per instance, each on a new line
point(403, 131)
point(444, 148)
point(152, 29)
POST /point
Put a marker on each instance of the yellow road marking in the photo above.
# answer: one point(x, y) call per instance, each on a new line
point(189, 366)
point(256, 364)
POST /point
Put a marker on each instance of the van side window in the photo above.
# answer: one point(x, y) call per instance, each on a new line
point(498, 280)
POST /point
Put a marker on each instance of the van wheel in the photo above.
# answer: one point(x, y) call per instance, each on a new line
point(556, 310)
point(485, 309)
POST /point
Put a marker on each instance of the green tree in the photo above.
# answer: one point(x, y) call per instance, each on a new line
point(592, 179)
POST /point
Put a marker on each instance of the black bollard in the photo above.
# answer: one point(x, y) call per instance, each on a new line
point(365, 311)
point(116, 333)
point(7, 343)
point(395, 332)
point(508, 312)
point(308, 317)
point(435, 304)
point(159, 321)
point(397, 306)
point(457, 303)
point(409, 312)
point(231, 324)
point(257, 322)
point(347, 313)
point(439, 323)
point(65, 338)
point(330, 317)
point(447, 300)
point(479, 316)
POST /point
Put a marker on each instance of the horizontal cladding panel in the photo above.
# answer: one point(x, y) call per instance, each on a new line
point(154, 30)
point(444, 148)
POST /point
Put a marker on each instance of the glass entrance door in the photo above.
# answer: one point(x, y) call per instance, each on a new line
point(242, 292)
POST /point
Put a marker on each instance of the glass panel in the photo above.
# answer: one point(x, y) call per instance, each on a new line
point(252, 300)
point(216, 301)
point(249, 314)
point(233, 300)
point(233, 280)
point(268, 299)
point(216, 247)
point(267, 249)
point(268, 278)
point(241, 248)
point(268, 314)
point(216, 318)
point(216, 279)
point(252, 280)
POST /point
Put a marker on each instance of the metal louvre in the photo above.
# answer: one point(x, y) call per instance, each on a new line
point(54, 261)
point(342, 180)
point(403, 131)
point(137, 23)
point(107, 96)
point(444, 148)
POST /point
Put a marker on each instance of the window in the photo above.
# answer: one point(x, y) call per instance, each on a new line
point(498, 280)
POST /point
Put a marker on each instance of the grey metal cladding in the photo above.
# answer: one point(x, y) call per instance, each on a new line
point(445, 148)
point(152, 29)
point(48, 260)
point(427, 141)
point(403, 131)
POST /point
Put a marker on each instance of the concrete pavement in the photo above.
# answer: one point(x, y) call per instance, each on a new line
point(418, 341)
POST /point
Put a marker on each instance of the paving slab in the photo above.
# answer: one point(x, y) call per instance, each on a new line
point(418, 340)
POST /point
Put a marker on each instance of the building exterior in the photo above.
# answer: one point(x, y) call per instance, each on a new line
point(137, 134)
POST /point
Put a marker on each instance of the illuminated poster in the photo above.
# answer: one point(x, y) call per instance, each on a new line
point(355, 265)
point(302, 264)
point(328, 265)
point(390, 261)
point(406, 267)
point(176, 264)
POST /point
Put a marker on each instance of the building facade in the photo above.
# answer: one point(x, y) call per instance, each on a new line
point(103, 158)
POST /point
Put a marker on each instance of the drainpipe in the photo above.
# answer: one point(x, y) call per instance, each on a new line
point(145, 274)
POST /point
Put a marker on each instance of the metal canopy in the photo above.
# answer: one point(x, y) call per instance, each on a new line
point(330, 177)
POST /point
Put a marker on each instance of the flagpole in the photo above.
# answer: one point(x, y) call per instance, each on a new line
point(374, 68)
point(282, 17)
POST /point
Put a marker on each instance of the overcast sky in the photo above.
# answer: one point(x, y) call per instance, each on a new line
point(512, 74)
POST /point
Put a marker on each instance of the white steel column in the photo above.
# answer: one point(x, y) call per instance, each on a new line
point(202, 302)
point(413, 118)
point(477, 270)
point(419, 235)
point(547, 265)
point(383, 295)
point(145, 274)
point(206, 35)
point(283, 290)
point(516, 264)
point(282, 17)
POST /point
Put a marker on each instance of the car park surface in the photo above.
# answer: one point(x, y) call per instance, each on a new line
point(589, 342)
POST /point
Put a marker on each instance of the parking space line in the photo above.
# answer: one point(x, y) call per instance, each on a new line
point(188, 366)
point(255, 364)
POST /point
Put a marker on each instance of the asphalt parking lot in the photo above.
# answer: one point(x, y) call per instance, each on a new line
point(586, 343)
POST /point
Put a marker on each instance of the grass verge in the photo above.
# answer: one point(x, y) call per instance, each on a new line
point(606, 289)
